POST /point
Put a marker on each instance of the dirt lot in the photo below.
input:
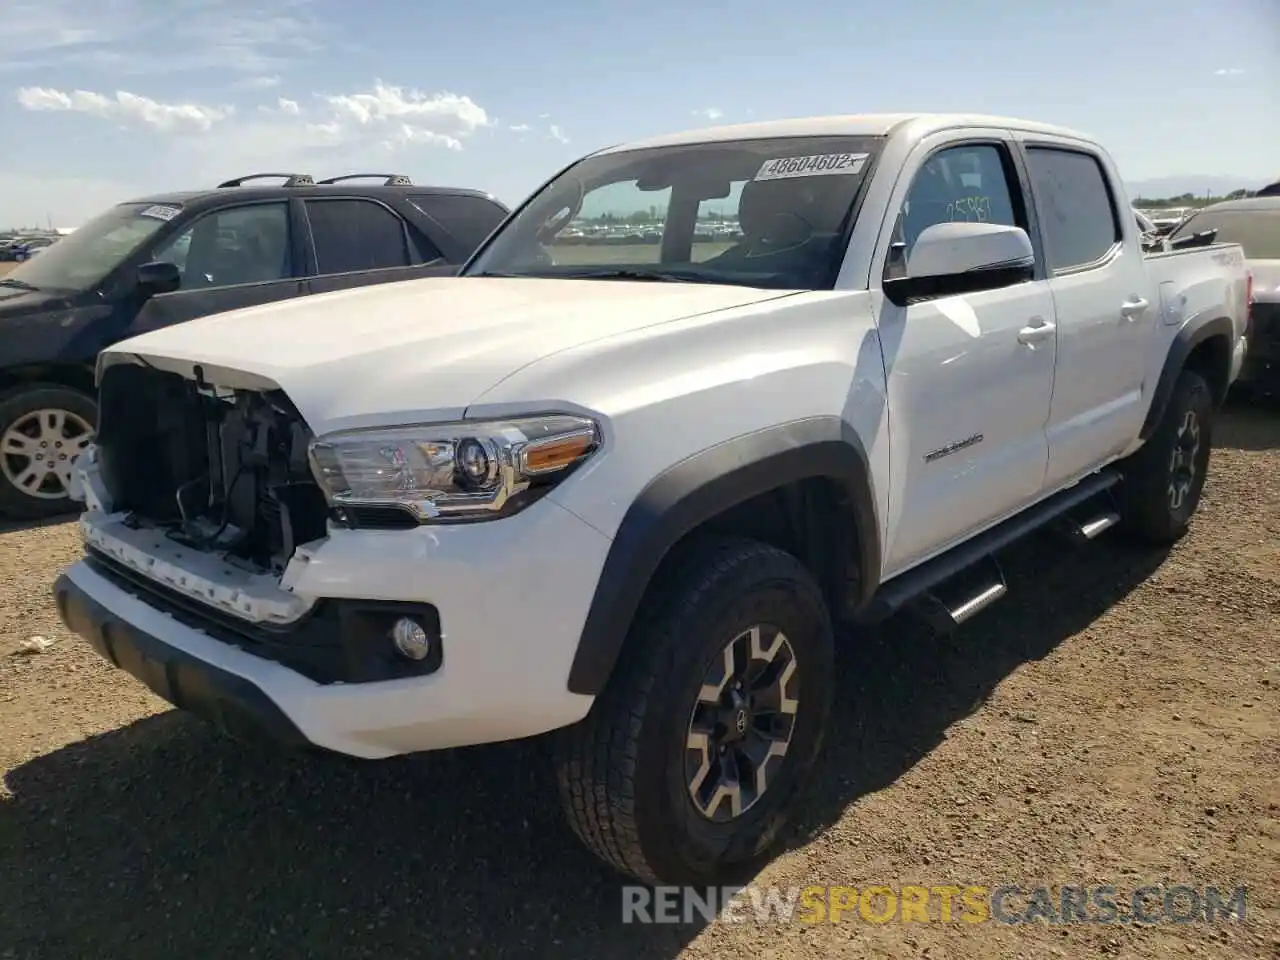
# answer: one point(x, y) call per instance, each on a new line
point(1115, 720)
point(5, 267)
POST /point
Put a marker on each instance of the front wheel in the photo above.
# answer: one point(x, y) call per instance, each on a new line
point(43, 427)
point(1163, 480)
point(686, 768)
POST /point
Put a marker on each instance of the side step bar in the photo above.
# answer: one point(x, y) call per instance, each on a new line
point(973, 562)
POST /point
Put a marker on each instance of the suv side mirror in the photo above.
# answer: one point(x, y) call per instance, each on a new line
point(954, 258)
point(156, 278)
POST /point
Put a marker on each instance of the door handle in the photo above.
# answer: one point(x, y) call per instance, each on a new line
point(1131, 308)
point(1036, 332)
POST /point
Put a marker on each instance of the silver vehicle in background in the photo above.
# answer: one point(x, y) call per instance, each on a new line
point(1254, 223)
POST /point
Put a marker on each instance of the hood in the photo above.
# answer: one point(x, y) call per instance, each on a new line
point(15, 302)
point(1266, 280)
point(415, 350)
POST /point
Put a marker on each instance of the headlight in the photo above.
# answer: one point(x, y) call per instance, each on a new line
point(463, 471)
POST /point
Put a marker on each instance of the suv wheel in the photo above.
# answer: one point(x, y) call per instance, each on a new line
point(42, 429)
point(1165, 477)
point(686, 767)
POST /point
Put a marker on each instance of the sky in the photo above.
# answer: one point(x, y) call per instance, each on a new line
point(107, 100)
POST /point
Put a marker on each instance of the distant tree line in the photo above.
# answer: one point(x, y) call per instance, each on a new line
point(1191, 200)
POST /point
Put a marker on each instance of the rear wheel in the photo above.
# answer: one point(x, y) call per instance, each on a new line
point(42, 429)
point(686, 768)
point(1163, 481)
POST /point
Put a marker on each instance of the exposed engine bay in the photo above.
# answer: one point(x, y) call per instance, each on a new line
point(219, 470)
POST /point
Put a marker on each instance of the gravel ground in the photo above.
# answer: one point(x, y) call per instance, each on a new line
point(1114, 720)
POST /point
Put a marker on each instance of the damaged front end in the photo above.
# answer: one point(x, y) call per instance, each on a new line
point(203, 489)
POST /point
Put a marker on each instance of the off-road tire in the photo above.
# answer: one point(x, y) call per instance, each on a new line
point(1147, 509)
point(621, 771)
point(17, 403)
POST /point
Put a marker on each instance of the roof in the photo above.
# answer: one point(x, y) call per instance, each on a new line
point(1244, 204)
point(851, 125)
point(274, 191)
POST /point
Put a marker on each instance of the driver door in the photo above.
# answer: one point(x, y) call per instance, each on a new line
point(968, 399)
point(239, 256)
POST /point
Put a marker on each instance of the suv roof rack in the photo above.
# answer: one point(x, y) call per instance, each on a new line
point(290, 179)
point(389, 179)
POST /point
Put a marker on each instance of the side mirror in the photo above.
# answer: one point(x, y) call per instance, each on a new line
point(955, 258)
point(156, 278)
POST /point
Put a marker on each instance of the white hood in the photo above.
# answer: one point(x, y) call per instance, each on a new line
point(415, 349)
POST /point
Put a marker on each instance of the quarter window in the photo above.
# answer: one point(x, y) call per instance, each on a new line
point(1077, 213)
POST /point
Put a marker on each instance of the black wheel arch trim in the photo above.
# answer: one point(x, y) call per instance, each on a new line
point(701, 487)
point(1187, 339)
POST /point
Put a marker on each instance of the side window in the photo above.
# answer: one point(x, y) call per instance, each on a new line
point(1077, 213)
point(248, 244)
point(467, 219)
point(356, 235)
point(967, 183)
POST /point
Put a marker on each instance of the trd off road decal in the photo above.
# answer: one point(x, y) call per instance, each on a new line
point(820, 166)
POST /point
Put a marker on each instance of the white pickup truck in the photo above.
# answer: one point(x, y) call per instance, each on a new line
point(703, 404)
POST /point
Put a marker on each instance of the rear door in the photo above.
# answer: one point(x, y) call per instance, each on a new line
point(357, 241)
point(1106, 312)
point(236, 256)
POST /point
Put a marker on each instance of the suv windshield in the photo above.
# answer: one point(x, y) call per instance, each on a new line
point(758, 213)
point(1257, 229)
point(83, 259)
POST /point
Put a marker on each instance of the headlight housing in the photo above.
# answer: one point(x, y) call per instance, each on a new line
point(469, 470)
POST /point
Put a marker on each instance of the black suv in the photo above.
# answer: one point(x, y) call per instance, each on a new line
point(165, 259)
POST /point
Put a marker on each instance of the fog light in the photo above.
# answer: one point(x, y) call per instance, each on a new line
point(410, 639)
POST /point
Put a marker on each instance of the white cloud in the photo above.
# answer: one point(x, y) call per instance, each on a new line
point(557, 134)
point(320, 132)
point(711, 113)
point(1228, 72)
point(252, 38)
point(444, 119)
point(389, 114)
point(258, 83)
point(127, 108)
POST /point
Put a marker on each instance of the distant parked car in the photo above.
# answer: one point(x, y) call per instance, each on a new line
point(1254, 224)
point(161, 260)
point(21, 248)
point(29, 249)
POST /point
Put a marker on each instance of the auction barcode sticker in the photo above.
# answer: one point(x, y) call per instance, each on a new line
point(819, 166)
point(160, 212)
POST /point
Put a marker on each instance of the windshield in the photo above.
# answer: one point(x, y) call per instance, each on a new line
point(757, 213)
point(1257, 229)
point(83, 259)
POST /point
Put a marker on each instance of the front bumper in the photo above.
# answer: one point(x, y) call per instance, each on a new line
point(218, 695)
point(512, 597)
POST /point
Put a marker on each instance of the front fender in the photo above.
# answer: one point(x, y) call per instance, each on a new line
point(691, 492)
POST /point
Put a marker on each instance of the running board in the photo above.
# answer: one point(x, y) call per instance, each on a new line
point(962, 597)
point(1090, 520)
point(919, 584)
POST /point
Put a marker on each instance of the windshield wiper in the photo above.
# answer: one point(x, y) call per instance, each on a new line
point(19, 284)
point(657, 276)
